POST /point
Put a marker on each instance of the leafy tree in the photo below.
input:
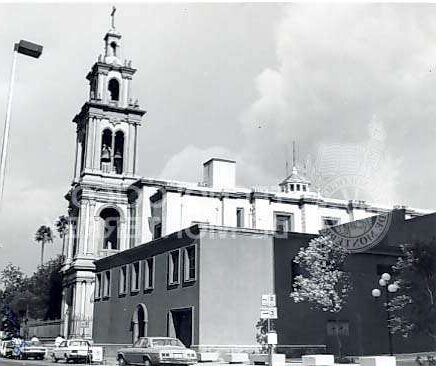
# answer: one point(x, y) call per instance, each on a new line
point(413, 307)
point(324, 283)
point(13, 281)
point(62, 228)
point(35, 297)
point(262, 334)
point(12, 276)
point(43, 236)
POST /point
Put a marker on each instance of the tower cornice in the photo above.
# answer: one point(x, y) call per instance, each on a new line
point(101, 110)
point(103, 67)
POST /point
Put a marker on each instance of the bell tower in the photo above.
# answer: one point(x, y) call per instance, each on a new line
point(105, 166)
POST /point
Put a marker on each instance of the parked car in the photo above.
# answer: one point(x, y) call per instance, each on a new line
point(32, 349)
point(151, 351)
point(6, 348)
point(73, 350)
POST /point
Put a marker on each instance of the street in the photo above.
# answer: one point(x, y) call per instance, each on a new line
point(409, 361)
point(47, 361)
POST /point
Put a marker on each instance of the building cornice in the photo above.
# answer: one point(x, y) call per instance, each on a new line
point(184, 188)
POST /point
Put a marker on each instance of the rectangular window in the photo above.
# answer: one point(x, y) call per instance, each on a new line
point(123, 280)
point(149, 273)
point(134, 276)
point(173, 267)
point(97, 293)
point(239, 217)
point(338, 328)
point(107, 284)
point(330, 221)
point(189, 264)
point(283, 222)
point(157, 231)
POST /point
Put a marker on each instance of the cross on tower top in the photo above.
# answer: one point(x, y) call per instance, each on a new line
point(114, 9)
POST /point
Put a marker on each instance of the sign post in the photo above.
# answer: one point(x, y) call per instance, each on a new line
point(268, 311)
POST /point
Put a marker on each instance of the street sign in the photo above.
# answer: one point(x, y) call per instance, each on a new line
point(268, 312)
point(265, 299)
point(273, 313)
point(268, 300)
point(264, 313)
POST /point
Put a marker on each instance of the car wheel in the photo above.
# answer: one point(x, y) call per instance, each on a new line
point(121, 361)
point(147, 362)
point(53, 357)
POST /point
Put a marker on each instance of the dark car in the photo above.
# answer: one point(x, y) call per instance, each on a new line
point(151, 351)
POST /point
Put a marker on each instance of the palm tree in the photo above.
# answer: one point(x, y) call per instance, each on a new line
point(62, 228)
point(43, 235)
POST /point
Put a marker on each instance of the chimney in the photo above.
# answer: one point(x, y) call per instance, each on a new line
point(219, 173)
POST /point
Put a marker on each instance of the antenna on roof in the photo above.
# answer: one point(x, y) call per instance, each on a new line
point(293, 154)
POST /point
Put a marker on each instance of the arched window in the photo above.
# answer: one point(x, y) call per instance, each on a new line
point(119, 152)
point(111, 228)
point(106, 151)
point(114, 89)
point(114, 48)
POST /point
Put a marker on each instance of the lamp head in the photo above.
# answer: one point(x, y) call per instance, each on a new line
point(376, 293)
point(386, 277)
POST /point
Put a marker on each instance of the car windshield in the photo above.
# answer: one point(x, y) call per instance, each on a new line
point(167, 342)
point(78, 343)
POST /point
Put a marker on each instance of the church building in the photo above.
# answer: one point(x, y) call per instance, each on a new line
point(113, 209)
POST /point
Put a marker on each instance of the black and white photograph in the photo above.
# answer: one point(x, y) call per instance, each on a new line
point(187, 183)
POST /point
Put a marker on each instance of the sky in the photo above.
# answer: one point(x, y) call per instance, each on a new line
point(353, 85)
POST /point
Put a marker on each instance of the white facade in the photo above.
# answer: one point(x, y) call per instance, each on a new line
point(178, 205)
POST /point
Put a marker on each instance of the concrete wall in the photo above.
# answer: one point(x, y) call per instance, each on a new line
point(113, 316)
point(235, 270)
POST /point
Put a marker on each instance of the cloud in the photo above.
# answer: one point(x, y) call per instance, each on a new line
point(27, 208)
point(337, 67)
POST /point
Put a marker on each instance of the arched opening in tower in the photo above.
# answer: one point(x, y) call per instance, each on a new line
point(106, 151)
point(114, 89)
point(119, 152)
point(111, 228)
point(114, 48)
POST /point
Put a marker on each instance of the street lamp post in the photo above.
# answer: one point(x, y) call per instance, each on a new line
point(389, 288)
point(29, 49)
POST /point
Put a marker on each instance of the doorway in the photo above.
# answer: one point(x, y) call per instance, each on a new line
point(180, 325)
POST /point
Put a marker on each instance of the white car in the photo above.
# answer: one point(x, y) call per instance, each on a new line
point(73, 350)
